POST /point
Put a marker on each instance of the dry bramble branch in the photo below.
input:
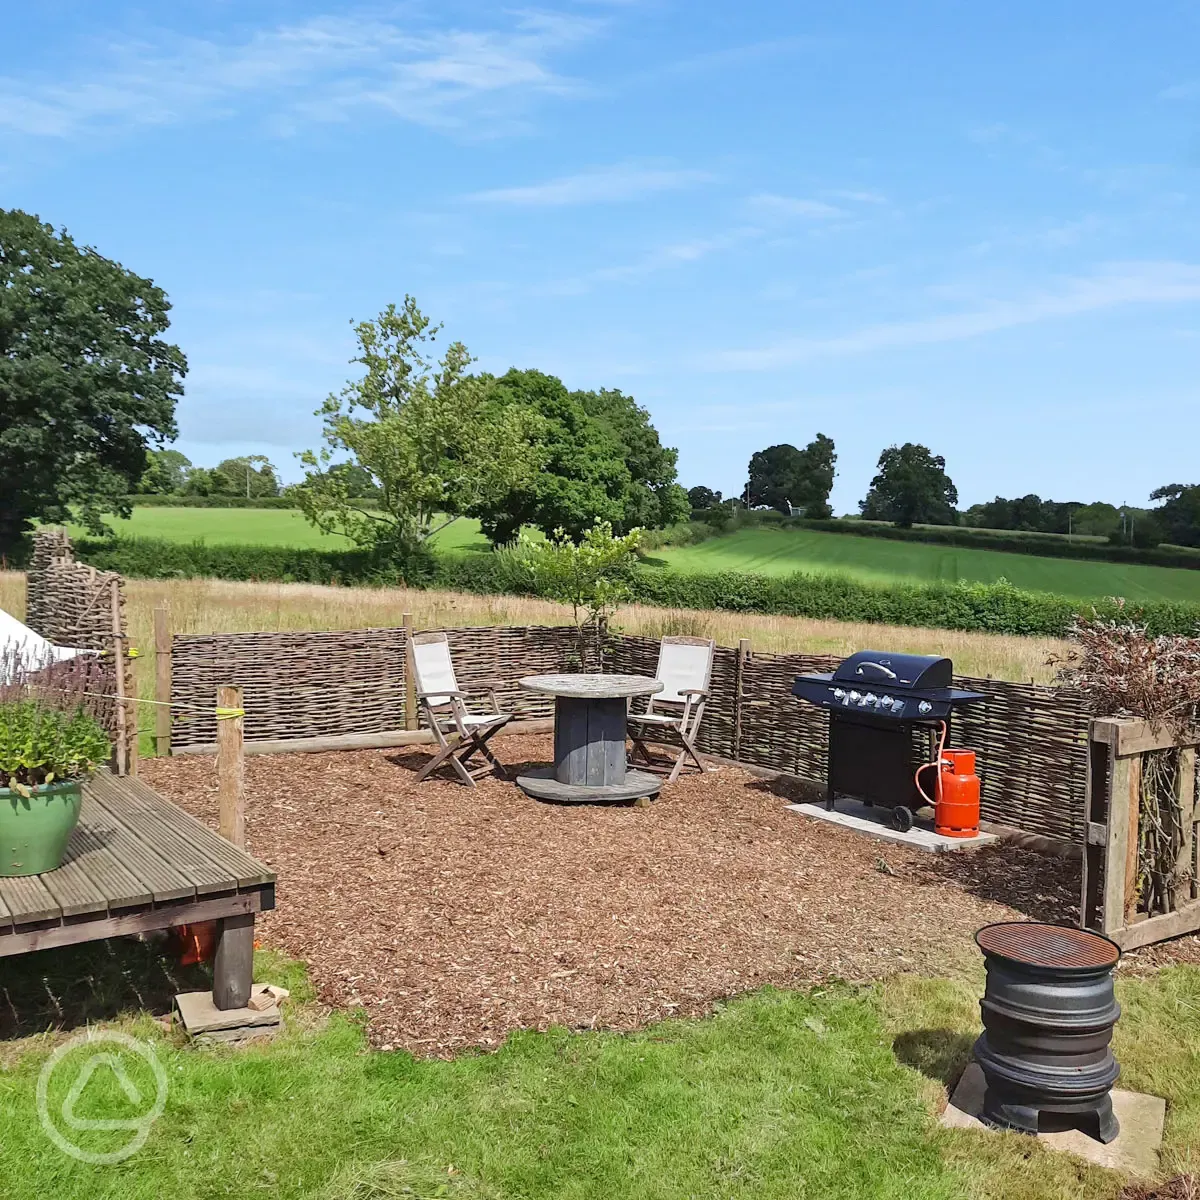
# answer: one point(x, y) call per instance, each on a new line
point(1127, 673)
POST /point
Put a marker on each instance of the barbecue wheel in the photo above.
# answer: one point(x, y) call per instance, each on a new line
point(902, 818)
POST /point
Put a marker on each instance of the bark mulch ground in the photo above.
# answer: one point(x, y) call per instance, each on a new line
point(454, 916)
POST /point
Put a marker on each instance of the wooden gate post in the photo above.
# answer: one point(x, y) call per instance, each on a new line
point(162, 680)
point(231, 768)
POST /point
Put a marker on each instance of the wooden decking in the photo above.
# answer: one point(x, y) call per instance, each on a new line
point(135, 862)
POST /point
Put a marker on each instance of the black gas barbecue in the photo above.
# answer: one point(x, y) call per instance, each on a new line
point(877, 701)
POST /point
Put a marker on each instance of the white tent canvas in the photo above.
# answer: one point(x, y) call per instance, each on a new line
point(23, 650)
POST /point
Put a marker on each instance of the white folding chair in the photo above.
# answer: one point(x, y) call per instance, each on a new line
point(685, 671)
point(444, 704)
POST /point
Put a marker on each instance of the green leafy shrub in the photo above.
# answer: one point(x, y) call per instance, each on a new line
point(43, 744)
point(159, 558)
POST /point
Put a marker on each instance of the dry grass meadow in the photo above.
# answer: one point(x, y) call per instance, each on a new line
point(219, 606)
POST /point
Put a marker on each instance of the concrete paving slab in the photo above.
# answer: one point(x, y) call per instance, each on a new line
point(1136, 1148)
point(877, 823)
point(199, 1015)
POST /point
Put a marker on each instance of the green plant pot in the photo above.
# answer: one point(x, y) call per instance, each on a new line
point(34, 829)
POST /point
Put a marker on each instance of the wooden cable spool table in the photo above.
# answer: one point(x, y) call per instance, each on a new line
point(590, 713)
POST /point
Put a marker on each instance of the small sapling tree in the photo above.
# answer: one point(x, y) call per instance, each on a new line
point(592, 575)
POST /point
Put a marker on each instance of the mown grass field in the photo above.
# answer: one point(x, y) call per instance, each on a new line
point(800, 1096)
point(762, 551)
point(783, 551)
point(258, 527)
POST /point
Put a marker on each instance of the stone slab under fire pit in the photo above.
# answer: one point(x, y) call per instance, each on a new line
point(877, 823)
point(1136, 1146)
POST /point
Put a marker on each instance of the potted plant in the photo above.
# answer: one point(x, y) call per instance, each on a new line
point(46, 752)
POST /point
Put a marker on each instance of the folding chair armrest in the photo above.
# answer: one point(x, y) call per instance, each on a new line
point(694, 692)
point(442, 692)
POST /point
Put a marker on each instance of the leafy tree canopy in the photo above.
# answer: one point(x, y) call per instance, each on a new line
point(358, 480)
point(1179, 514)
point(423, 429)
point(86, 380)
point(652, 499)
point(702, 497)
point(251, 475)
point(582, 476)
point(782, 476)
point(911, 487)
point(601, 461)
point(166, 473)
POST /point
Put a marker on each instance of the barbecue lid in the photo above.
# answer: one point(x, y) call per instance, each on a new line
point(905, 671)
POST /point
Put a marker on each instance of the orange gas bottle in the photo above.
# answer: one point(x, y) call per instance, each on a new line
point(956, 813)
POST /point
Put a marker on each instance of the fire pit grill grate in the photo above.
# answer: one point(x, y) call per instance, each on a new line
point(1052, 946)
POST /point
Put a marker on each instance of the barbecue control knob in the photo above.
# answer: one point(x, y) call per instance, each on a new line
point(885, 702)
point(839, 694)
point(854, 697)
point(869, 698)
point(924, 707)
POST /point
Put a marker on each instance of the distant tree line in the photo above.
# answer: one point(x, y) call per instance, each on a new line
point(912, 487)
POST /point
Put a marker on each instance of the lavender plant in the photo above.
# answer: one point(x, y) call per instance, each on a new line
point(47, 733)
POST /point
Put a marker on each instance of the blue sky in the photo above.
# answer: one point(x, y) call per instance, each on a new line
point(969, 225)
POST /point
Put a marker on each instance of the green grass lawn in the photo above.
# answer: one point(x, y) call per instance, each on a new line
point(779, 1094)
point(825, 1094)
point(260, 527)
point(782, 551)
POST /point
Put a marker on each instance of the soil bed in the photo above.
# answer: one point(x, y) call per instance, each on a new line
point(454, 916)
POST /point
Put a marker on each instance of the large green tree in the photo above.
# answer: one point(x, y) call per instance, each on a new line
point(166, 473)
point(1179, 515)
point(583, 476)
point(652, 499)
point(782, 476)
point(423, 429)
point(911, 487)
point(87, 382)
point(251, 476)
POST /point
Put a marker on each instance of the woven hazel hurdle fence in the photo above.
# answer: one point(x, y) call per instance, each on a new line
point(72, 604)
point(347, 685)
point(350, 687)
point(1031, 740)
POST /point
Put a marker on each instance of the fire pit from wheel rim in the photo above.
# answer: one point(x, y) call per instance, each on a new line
point(1048, 1014)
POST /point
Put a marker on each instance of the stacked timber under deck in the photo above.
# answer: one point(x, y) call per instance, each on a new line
point(136, 862)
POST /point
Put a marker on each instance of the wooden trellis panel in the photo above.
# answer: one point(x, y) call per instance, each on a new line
point(1109, 901)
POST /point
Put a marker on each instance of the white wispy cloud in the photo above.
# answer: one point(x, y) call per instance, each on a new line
point(599, 185)
point(321, 69)
point(768, 204)
point(1115, 286)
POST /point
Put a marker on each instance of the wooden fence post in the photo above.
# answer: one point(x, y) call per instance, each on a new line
point(121, 749)
point(410, 676)
point(162, 680)
point(743, 656)
point(231, 768)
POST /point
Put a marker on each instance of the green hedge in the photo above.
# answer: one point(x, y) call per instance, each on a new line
point(986, 607)
point(156, 501)
point(158, 558)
